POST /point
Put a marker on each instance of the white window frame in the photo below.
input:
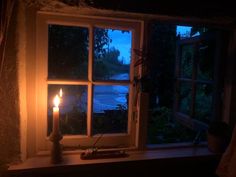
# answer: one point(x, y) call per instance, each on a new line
point(128, 139)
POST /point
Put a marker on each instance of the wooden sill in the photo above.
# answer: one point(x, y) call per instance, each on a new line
point(72, 160)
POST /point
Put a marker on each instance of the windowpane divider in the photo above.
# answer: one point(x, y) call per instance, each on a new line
point(79, 82)
point(90, 78)
point(196, 81)
point(67, 82)
point(111, 82)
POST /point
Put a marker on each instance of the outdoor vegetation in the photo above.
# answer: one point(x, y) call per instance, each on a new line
point(163, 127)
point(68, 60)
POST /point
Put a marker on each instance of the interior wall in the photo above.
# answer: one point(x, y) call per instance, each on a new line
point(9, 104)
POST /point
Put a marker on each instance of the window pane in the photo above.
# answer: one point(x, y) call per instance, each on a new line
point(110, 109)
point(73, 108)
point(187, 61)
point(67, 52)
point(203, 110)
point(163, 128)
point(165, 125)
point(112, 54)
point(205, 68)
point(185, 97)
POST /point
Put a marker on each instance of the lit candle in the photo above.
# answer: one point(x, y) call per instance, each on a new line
point(60, 93)
point(56, 115)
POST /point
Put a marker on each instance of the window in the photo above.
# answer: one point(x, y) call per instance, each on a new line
point(91, 60)
point(95, 62)
point(186, 82)
point(195, 77)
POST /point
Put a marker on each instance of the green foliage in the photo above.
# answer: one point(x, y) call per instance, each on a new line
point(74, 122)
point(111, 121)
point(68, 50)
point(111, 56)
point(101, 39)
point(185, 97)
point(161, 55)
point(187, 61)
point(164, 129)
point(204, 100)
point(101, 70)
point(108, 64)
point(206, 60)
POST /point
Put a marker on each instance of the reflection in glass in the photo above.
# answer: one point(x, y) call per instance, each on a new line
point(112, 54)
point(185, 98)
point(204, 95)
point(67, 52)
point(205, 68)
point(187, 61)
point(110, 105)
point(73, 109)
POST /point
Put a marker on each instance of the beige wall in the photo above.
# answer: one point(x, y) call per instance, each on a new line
point(9, 104)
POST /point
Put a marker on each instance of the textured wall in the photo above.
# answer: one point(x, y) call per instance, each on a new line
point(9, 111)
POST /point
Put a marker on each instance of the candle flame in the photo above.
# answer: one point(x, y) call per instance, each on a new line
point(56, 100)
point(60, 93)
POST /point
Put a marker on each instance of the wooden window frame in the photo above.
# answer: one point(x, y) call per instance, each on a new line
point(111, 140)
point(189, 120)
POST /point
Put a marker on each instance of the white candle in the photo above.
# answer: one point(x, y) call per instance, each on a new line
point(56, 114)
point(60, 93)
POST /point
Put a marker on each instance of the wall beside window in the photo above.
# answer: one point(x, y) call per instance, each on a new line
point(9, 102)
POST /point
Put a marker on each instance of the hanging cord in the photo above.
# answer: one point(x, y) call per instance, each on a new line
point(94, 144)
point(9, 10)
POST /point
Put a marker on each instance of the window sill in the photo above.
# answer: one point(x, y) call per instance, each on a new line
point(40, 163)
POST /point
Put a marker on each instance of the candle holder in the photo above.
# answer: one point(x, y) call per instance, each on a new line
point(56, 150)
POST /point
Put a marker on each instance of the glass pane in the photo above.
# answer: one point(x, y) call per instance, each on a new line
point(112, 54)
point(203, 107)
point(185, 97)
point(184, 32)
point(186, 61)
point(162, 125)
point(205, 68)
point(110, 109)
point(163, 128)
point(73, 109)
point(67, 52)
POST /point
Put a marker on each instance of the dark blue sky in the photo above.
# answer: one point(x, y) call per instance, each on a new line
point(183, 30)
point(122, 41)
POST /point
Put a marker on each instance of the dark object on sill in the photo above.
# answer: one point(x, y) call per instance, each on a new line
point(95, 154)
point(197, 138)
point(218, 136)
